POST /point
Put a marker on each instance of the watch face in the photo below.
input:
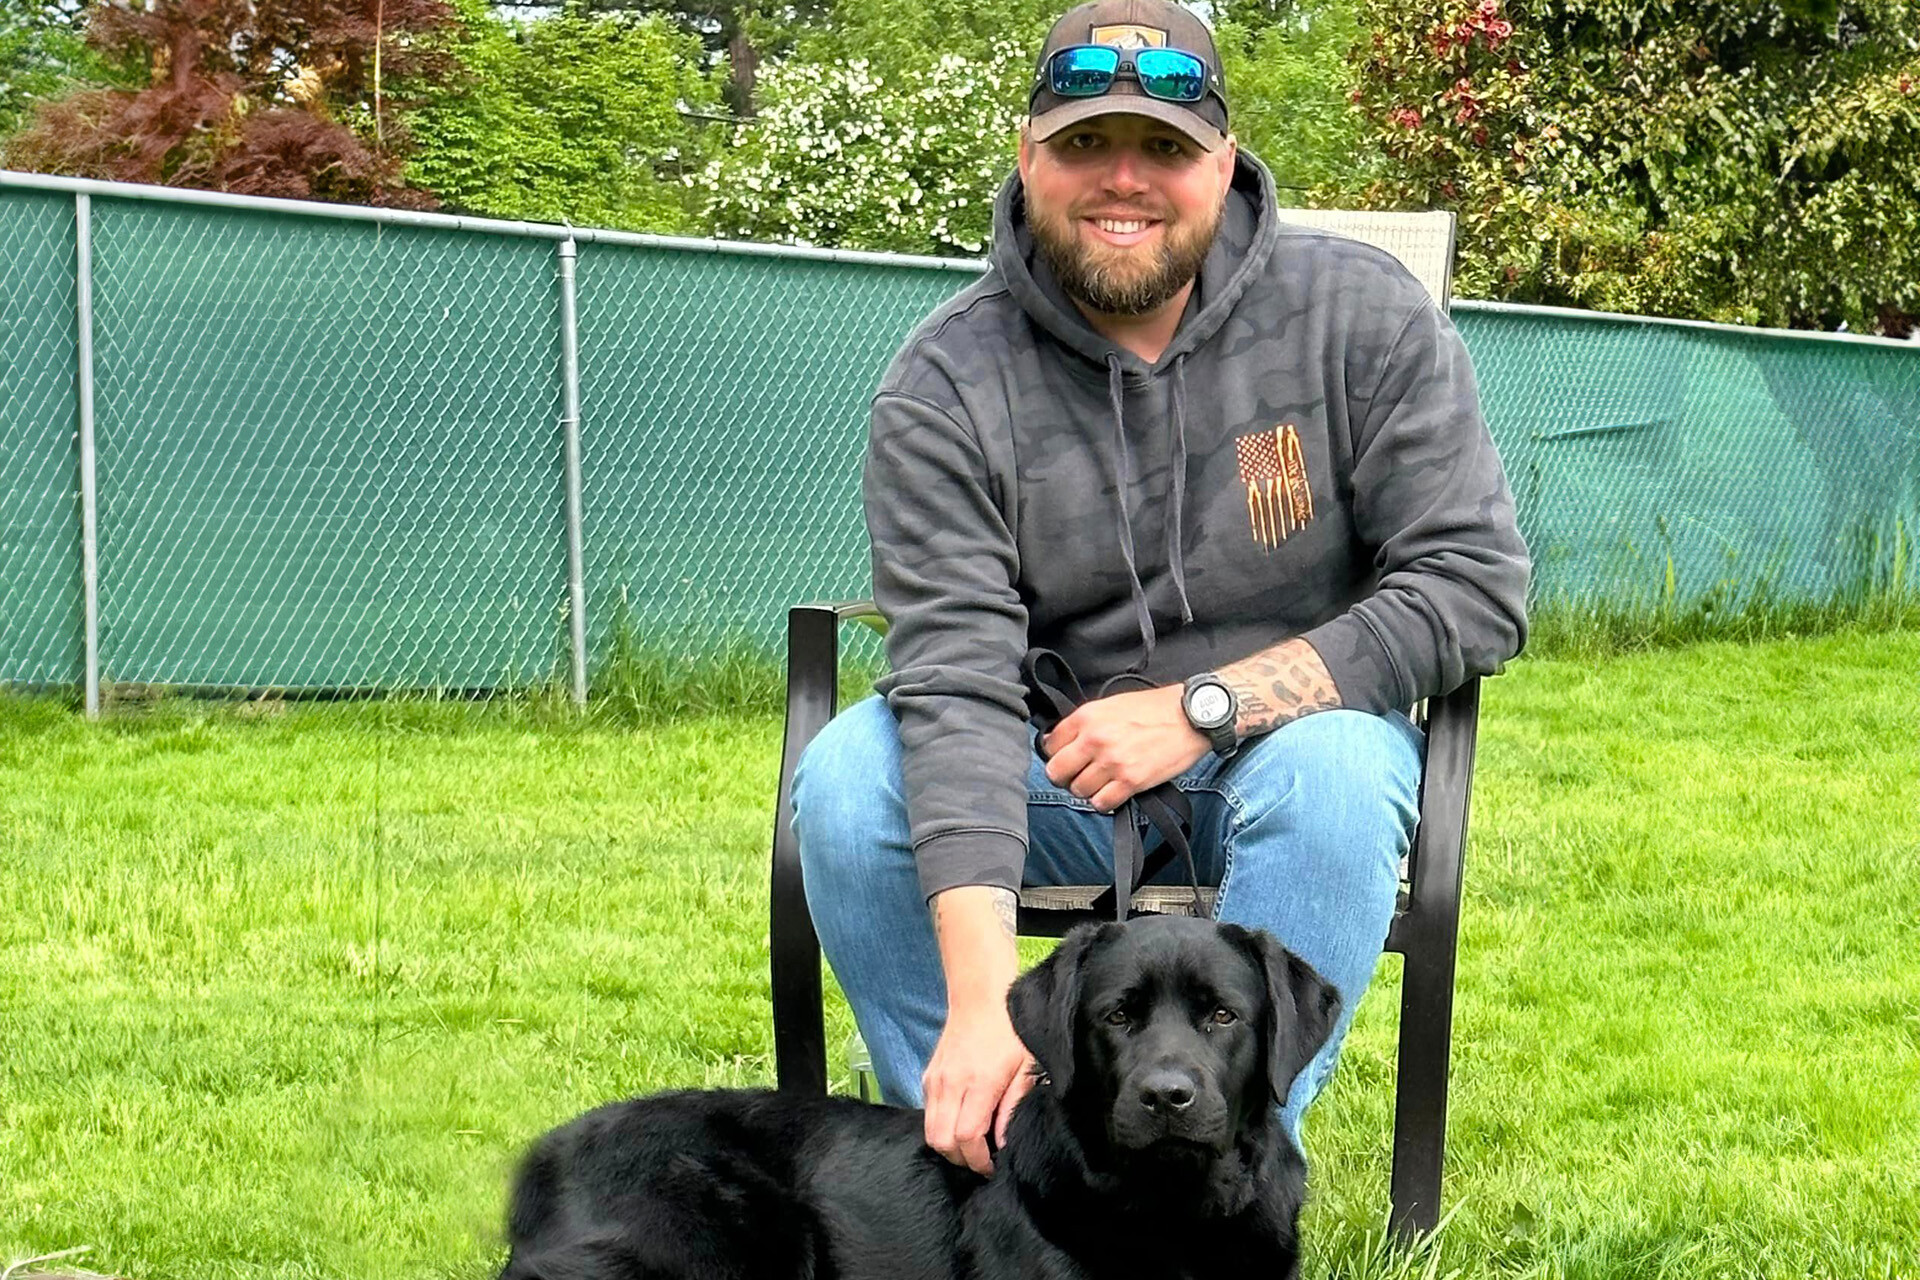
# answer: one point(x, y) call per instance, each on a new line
point(1210, 705)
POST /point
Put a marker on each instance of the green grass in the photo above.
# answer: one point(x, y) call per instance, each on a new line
point(287, 987)
point(1642, 607)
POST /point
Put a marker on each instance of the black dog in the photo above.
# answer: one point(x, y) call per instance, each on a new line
point(1150, 1148)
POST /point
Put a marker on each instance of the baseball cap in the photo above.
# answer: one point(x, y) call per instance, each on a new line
point(1133, 24)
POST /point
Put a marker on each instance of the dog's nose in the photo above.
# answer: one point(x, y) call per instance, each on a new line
point(1165, 1092)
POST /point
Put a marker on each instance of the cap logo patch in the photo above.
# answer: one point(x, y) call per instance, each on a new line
point(1127, 35)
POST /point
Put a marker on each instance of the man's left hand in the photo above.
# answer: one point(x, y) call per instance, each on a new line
point(1113, 748)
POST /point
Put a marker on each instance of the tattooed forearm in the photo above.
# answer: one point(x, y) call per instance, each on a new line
point(1006, 905)
point(1278, 685)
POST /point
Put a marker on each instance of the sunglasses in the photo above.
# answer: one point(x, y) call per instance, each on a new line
point(1089, 70)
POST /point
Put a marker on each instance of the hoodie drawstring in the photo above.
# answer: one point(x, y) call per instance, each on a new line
point(1116, 393)
point(1176, 557)
point(1177, 468)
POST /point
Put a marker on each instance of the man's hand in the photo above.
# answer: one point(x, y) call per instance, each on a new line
point(1113, 748)
point(980, 1068)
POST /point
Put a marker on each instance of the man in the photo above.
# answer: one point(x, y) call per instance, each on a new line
point(1165, 435)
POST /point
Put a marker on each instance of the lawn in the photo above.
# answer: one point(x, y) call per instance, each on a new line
point(287, 987)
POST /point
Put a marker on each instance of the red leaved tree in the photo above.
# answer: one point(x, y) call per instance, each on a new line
point(260, 97)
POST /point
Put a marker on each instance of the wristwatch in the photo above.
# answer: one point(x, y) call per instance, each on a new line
point(1212, 708)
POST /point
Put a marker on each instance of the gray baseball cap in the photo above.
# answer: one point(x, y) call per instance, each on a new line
point(1127, 25)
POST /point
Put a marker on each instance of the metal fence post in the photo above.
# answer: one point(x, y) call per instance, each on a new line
point(89, 489)
point(570, 424)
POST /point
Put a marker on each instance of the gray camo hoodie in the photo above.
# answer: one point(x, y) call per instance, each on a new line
point(1307, 458)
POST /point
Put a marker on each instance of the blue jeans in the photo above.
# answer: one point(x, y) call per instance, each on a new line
point(1303, 831)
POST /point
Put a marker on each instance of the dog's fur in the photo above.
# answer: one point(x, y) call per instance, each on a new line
point(1150, 1148)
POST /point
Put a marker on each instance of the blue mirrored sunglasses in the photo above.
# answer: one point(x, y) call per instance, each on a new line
point(1089, 70)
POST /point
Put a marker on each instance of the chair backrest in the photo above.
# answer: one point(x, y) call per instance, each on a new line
point(1422, 241)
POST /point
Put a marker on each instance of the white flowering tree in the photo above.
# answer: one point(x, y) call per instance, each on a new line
point(842, 156)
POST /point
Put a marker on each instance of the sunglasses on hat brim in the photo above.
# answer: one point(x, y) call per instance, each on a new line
point(1089, 70)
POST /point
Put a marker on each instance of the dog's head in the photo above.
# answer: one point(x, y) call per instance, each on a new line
point(1175, 1033)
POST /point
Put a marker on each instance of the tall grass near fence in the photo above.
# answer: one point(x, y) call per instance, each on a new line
point(1640, 605)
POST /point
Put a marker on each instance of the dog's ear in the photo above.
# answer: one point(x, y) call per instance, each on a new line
point(1303, 1005)
point(1043, 1002)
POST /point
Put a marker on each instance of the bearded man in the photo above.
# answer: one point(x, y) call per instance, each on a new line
point(1234, 474)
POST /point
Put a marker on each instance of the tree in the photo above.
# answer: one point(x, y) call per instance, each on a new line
point(739, 33)
point(845, 155)
point(568, 117)
point(908, 35)
point(1751, 161)
point(43, 53)
point(1289, 80)
point(1255, 16)
point(262, 97)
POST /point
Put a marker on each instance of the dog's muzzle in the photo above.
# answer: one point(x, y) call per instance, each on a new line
point(1169, 1104)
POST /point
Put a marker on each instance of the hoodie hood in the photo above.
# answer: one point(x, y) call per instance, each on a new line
point(1238, 256)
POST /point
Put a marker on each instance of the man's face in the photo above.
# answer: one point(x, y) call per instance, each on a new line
point(1124, 208)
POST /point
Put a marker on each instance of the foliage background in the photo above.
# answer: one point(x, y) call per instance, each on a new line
point(575, 117)
point(846, 154)
point(43, 52)
point(291, 98)
point(1288, 79)
point(1745, 161)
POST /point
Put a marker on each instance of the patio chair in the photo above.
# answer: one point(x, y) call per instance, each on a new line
point(1425, 925)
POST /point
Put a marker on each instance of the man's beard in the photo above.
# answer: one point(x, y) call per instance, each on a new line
point(1115, 281)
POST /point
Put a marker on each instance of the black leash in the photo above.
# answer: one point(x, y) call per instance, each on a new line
point(1053, 691)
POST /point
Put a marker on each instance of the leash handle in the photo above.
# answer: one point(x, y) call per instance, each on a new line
point(1053, 692)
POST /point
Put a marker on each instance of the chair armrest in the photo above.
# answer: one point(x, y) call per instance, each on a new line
point(864, 611)
point(1446, 789)
point(813, 670)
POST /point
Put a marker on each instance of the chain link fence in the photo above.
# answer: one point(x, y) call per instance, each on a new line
point(330, 443)
point(1661, 462)
point(726, 411)
point(40, 584)
point(329, 454)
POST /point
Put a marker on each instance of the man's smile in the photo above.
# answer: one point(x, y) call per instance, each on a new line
point(1122, 232)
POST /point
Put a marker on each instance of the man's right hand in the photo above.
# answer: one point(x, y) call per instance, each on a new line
point(979, 1068)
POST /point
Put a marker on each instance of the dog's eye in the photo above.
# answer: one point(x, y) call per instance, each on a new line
point(1118, 1018)
point(1224, 1017)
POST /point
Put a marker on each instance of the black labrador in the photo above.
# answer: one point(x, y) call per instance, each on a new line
point(1151, 1146)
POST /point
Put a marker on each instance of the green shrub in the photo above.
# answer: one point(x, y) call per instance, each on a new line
point(1746, 161)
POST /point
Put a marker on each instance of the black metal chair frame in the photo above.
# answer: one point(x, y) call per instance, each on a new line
point(1425, 928)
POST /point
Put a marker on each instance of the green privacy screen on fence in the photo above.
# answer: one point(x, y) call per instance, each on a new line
point(724, 410)
point(40, 586)
point(329, 453)
point(330, 450)
point(1655, 458)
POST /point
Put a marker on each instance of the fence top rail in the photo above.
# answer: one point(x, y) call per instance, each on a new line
point(749, 248)
point(1738, 330)
point(461, 222)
